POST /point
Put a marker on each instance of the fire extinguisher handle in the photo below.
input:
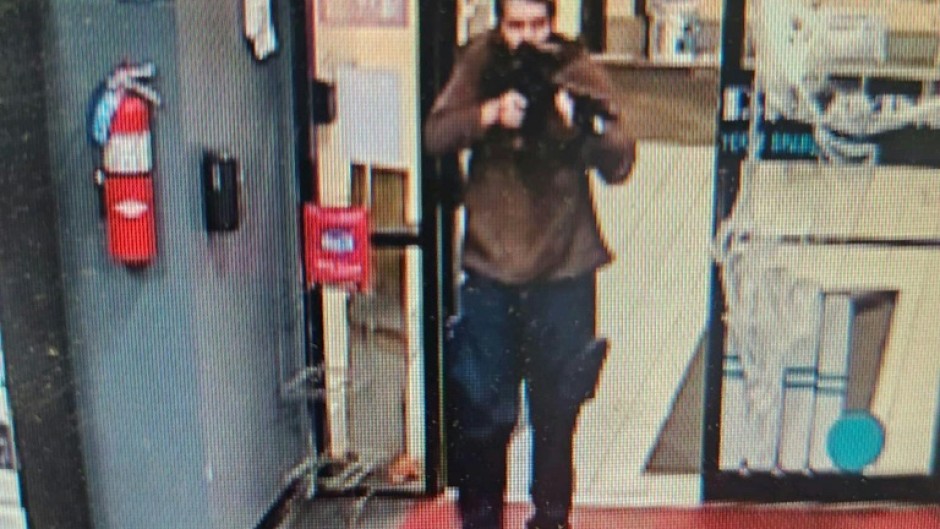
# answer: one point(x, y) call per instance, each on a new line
point(99, 187)
point(130, 78)
point(126, 73)
point(146, 70)
point(146, 92)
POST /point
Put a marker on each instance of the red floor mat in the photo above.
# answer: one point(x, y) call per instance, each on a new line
point(441, 514)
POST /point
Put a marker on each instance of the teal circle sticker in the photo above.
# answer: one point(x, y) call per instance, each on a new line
point(855, 440)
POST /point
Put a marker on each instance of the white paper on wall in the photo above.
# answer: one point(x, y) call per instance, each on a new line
point(370, 115)
point(259, 27)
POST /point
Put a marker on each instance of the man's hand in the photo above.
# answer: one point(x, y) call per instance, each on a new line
point(507, 110)
point(564, 103)
point(596, 109)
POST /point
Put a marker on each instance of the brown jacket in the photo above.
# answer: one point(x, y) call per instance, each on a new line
point(534, 220)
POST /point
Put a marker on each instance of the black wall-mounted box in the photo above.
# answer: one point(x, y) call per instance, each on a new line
point(221, 191)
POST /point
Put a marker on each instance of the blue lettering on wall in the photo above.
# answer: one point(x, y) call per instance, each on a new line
point(734, 143)
point(793, 144)
point(787, 144)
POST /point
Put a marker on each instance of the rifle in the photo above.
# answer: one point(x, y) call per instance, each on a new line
point(531, 71)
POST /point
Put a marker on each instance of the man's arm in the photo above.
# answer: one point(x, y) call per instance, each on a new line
point(612, 152)
point(458, 117)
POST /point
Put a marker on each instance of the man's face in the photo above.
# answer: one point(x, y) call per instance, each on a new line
point(525, 21)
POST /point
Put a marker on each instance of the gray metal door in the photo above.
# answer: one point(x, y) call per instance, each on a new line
point(180, 366)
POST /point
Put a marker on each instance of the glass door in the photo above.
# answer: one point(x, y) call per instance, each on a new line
point(823, 377)
point(379, 345)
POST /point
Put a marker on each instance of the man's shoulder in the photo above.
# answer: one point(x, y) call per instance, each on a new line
point(567, 48)
point(577, 62)
point(478, 46)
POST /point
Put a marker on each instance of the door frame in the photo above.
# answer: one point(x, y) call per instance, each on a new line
point(436, 38)
point(721, 485)
point(437, 31)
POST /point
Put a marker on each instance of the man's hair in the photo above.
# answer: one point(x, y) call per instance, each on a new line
point(501, 8)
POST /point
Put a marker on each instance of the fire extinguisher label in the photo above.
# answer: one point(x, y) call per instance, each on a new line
point(128, 154)
point(131, 226)
point(131, 209)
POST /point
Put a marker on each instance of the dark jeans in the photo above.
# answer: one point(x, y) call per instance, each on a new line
point(542, 333)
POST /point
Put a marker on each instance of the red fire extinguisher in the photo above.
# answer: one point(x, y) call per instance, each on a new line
point(127, 175)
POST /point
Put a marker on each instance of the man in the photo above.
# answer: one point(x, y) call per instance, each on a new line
point(531, 250)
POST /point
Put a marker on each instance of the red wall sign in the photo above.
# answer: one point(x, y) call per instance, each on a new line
point(363, 13)
point(337, 246)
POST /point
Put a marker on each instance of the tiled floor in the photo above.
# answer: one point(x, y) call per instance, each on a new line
point(384, 513)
